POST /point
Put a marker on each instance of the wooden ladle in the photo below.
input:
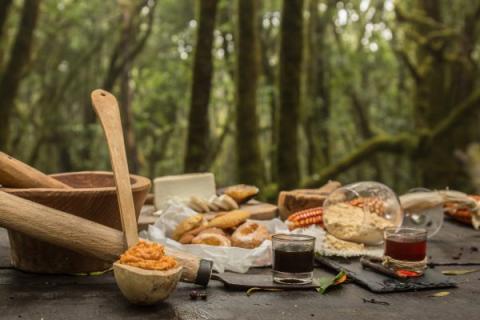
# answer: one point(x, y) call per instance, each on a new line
point(107, 110)
point(137, 285)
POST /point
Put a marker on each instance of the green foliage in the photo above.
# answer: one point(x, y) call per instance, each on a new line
point(362, 55)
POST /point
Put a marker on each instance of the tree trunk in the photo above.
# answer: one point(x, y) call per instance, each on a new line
point(126, 95)
point(124, 53)
point(362, 123)
point(198, 136)
point(19, 58)
point(4, 8)
point(249, 163)
point(317, 89)
point(291, 48)
point(443, 83)
point(268, 47)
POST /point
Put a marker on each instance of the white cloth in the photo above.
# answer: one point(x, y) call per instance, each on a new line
point(234, 258)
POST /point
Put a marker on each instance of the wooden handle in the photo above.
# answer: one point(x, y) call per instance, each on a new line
point(107, 110)
point(16, 174)
point(75, 233)
point(60, 228)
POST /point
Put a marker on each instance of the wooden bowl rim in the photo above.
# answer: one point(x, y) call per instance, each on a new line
point(139, 183)
point(148, 272)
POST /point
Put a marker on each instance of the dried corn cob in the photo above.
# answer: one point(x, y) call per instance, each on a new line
point(375, 205)
point(459, 213)
point(306, 218)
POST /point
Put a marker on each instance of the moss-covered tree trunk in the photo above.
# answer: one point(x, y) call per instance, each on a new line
point(445, 76)
point(4, 10)
point(268, 47)
point(317, 89)
point(291, 50)
point(249, 163)
point(12, 74)
point(198, 136)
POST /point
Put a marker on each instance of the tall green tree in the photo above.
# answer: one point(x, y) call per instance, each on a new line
point(317, 87)
point(291, 51)
point(198, 136)
point(250, 168)
point(19, 57)
point(133, 35)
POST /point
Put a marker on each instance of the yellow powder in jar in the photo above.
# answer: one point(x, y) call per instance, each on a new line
point(148, 255)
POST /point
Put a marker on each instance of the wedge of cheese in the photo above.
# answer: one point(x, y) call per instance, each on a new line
point(182, 187)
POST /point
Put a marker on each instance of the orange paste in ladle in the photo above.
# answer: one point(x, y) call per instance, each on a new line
point(148, 255)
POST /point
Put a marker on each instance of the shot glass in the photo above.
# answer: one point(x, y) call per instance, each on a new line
point(406, 250)
point(293, 256)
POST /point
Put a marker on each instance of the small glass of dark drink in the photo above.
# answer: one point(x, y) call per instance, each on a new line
point(406, 249)
point(292, 258)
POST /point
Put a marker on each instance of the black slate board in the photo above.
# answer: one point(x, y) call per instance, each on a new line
point(239, 281)
point(377, 282)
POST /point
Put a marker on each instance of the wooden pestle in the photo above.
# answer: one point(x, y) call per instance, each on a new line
point(16, 174)
point(82, 235)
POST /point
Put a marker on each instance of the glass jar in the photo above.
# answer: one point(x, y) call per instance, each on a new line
point(361, 211)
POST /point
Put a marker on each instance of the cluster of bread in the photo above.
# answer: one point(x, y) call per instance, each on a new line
point(225, 229)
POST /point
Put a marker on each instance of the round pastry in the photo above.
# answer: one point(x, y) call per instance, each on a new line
point(213, 230)
point(212, 239)
point(186, 238)
point(249, 235)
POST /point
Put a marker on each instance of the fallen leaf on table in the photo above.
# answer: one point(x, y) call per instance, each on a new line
point(440, 294)
point(324, 283)
point(459, 272)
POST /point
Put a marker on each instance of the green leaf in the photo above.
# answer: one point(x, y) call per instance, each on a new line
point(324, 283)
point(459, 272)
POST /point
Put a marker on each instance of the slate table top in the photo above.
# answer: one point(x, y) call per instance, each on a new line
point(33, 296)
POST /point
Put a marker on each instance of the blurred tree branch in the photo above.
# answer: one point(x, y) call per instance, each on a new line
point(417, 17)
point(404, 57)
point(410, 143)
point(120, 57)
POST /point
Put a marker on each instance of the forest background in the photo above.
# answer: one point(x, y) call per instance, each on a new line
point(280, 94)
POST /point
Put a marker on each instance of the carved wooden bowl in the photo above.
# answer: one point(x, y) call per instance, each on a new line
point(93, 198)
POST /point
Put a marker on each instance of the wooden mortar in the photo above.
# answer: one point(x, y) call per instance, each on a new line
point(84, 236)
point(94, 198)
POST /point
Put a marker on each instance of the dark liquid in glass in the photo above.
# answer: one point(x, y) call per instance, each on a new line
point(292, 261)
point(407, 250)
